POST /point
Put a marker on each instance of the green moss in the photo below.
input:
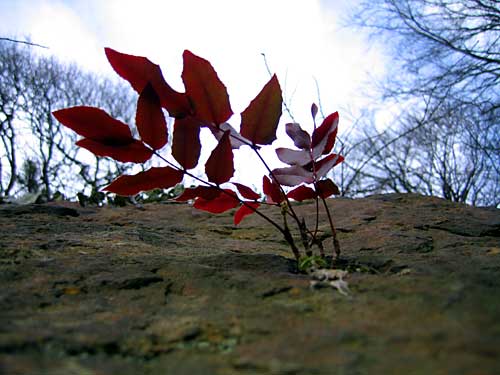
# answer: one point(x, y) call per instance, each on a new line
point(313, 261)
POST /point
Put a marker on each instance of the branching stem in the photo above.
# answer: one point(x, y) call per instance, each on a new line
point(336, 245)
point(285, 231)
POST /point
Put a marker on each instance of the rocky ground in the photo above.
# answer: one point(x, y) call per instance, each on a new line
point(171, 290)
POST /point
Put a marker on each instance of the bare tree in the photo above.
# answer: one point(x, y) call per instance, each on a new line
point(11, 71)
point(443, 47)
point(31, 87)
point(445, 75)
point(435, 160)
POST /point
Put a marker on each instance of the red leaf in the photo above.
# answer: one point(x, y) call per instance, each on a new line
point(323, 137)
point(302, 193)
point(222, 203)
point(153, 178)
point(246, 192)
point(205, 90)
point(331, 142)
point(324, 165)
point(150, 120)
point(134, 151)
point(272, 191)
point(237, 140)
point(245, 210)
point(206, 192)
point(260, 120)
point(327, 187)
point(293, 176)
point(314, 110)
point(186, 146)
point(95, 124)
point(293, 157)
point(300, 137)
point(219, 167)
point(139, 71)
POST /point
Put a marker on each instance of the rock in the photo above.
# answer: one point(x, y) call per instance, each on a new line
point(167, 290)
point(36, 209)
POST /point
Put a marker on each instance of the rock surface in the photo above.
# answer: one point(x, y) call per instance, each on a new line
point(171, 290)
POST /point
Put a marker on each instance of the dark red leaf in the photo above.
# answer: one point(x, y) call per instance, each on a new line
point(324, 165)
point(219, 166)
point(205, 90)
point(95, 124)
point(327, 187)
point(245, 210)
point(293, 157)
point(154, 178)
point(323, 137)
point(222, 203)
point(302, 193)
point(139, 71)
point(300, 137)
point(331, 142)
point(134, 151)
point(150, 120)
point(314, 110)
point(237, 140)
point(272, 191)
point(293, 176)
point(246, 192)
point(260, 120)
point(186, 146)
point(206, 192)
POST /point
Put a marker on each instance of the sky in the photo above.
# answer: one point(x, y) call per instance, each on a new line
point(304, 43)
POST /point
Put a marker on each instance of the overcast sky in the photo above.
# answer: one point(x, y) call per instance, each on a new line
point(302, 39)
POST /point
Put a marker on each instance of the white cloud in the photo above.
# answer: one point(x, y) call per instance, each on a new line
point(300, 38)
point(57, 25)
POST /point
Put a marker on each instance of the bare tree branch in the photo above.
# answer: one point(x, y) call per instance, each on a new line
point(445, 76)
point(23, 42)
point(31, 88)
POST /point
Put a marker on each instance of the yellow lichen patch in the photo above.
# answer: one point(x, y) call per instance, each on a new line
point(72, 290)
point(493, 251)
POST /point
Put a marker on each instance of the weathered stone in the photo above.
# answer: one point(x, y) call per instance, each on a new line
point(169, 289)
point(28, 209)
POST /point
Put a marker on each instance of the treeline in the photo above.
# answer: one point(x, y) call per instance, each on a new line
point(37, 154)
point(444, 81)
point(443, 138)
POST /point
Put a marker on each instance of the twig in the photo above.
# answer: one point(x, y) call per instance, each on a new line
point(23, 42)
point(287, 109)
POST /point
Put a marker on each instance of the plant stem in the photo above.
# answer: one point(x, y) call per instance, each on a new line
point(317, 218)
point(336, 245)
point(288, 236)
point(256, 150)
point(285, 231)
point(292, 212)
point(303, 235)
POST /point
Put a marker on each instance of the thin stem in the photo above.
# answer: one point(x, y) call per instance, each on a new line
point(285, 231)
point(317, 218)
point(303, 234)
point(292, 211)
point(314, 237)
point(287, 109)
point(287, 234)
point(315, 234)
point(336, 245)
point(256, 150)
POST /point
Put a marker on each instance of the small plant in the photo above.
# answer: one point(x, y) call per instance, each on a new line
point(205, 104)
